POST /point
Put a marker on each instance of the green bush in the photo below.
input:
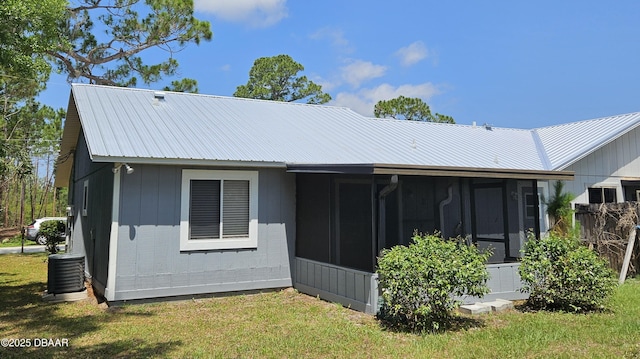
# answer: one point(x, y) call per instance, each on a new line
point(52, 230)
point(420, 282)
point(561, 212)
point(561, 274)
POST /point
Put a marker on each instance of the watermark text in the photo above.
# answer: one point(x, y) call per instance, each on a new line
point(34, 342)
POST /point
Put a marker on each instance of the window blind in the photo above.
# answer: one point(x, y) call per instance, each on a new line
point(204, 213)
point(235, 209)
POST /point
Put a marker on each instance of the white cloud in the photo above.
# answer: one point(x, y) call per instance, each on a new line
point(355, 102)
point(334, 35)
point(326, 84)
point(364, 100)
point(225, 68)
point(413, 53)
point(256, 13)
point(359, 71)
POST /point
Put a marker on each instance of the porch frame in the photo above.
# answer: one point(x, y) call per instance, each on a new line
point(359, 290)
point(352, 288)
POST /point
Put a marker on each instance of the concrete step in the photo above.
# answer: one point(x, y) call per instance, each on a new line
point(474, 309)
point(497, 305)
point(500, 305)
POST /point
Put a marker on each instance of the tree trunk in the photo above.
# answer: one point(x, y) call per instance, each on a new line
point(53, 203)
point(34, 191)
point(6, 205)
point(47, 185)
point(22, 211)
point(19, 203)
point(21, 198)
point(45, 194)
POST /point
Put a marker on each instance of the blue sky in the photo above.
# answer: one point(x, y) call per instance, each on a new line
point(507, 63)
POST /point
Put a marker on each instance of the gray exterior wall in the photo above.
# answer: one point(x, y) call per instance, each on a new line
point(504, 283)
point(90, 233)
point(150, 263)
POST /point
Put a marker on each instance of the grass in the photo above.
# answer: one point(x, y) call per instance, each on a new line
point(287, 324)
point(16, 242)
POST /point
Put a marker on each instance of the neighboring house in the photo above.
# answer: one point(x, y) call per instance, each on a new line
point(178, 194)
point(604, 153)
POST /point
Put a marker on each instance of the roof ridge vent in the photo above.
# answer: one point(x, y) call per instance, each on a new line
point(487, 126)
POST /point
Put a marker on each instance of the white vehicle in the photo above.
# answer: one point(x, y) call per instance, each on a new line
point(33, 230)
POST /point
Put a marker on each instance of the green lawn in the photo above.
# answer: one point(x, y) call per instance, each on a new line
point(11, 237)
point(16, 242)
point(286, 324)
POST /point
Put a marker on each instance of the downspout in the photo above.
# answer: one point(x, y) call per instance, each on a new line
point(393, 184)
point(110, 289)
point(444, 203)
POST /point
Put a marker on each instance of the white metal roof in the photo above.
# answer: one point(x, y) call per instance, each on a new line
point(132, 125)
point(567, 143)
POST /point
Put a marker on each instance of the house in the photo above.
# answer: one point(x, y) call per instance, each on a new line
point(176, 194)
point(603, 153)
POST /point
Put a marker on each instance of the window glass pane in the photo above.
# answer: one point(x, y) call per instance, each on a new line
point(204, 212)
point(595, 195)
point(235, 209)
point(85, 198)
point(610, 195)
point(529, 205)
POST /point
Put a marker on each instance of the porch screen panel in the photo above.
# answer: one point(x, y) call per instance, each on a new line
point(313, 217)
point(418, 209)
point(204, 209)
point(354, 226)
point(235, 212)
point(489, 213)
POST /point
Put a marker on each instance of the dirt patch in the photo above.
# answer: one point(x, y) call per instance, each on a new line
point(354, 316)
point(9, 232)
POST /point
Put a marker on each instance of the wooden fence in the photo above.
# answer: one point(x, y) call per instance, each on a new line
point(605, 227)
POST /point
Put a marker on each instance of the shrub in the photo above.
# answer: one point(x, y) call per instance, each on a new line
point(560, 211)
point(52, 230)
point(420, 282)
point(561, 274)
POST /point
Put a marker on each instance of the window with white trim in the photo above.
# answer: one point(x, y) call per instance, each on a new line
point(219, 210)
point(602, 195)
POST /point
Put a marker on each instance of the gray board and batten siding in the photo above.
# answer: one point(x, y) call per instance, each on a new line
point(350, 287)
point(149, 262)
point(91, 221)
